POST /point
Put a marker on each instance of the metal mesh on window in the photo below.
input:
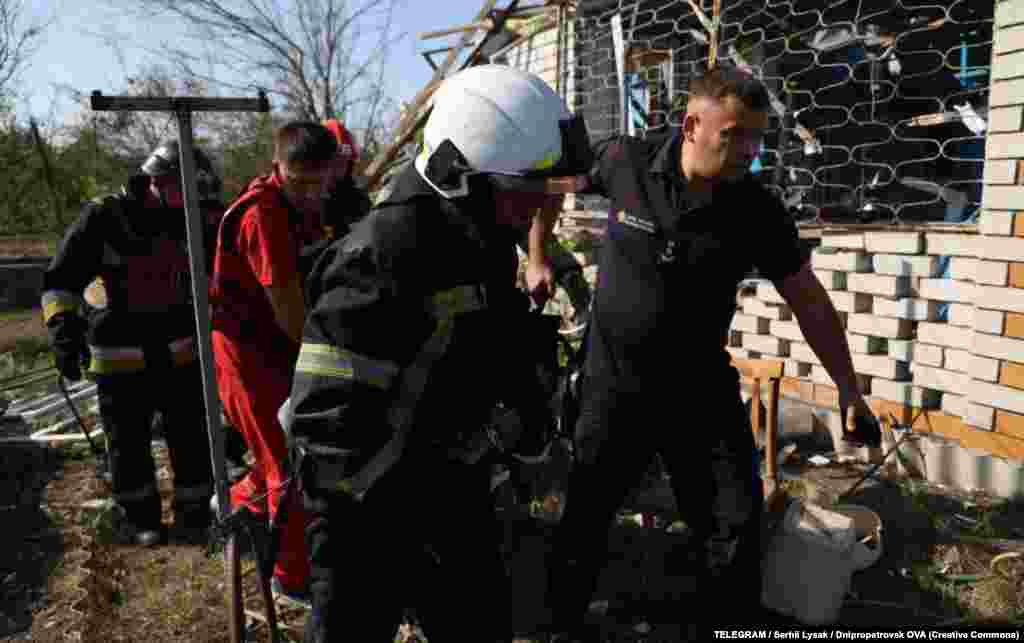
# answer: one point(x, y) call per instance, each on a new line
point(879, 107)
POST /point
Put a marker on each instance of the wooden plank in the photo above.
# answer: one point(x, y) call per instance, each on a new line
point(759, 368)
point(419, 106)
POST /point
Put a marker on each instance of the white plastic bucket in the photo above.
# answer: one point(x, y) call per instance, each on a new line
point(910, 454)
point(808, 564)
point(867, 526)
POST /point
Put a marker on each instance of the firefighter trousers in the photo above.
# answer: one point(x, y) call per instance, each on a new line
point(127, 402)
point(716, 485)
point(425, 537)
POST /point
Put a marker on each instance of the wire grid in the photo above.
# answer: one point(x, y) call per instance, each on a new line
point(878, 107)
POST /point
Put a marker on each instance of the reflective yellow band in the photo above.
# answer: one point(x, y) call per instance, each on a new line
point(329, 361)
point(106, 361)
point(458, 300)
point(109, 360)
point(59, 301)
point(184, 351)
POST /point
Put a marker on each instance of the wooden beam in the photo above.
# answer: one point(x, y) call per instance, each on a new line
point(715, 29)
point(758, 368)
point(419, 107)
point(487, 23)
point(703, 17)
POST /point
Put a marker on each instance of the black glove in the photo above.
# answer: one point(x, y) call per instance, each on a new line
point(69, 358)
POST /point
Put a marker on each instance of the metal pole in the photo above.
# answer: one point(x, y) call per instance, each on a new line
point(200, 296)
point(183, 106)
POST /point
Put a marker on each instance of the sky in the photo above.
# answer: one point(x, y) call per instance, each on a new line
point(73, 52)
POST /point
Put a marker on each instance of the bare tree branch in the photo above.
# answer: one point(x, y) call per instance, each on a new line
point(17, 43)
point(313, 54)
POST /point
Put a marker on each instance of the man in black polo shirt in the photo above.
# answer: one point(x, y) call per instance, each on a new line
point(686, 224)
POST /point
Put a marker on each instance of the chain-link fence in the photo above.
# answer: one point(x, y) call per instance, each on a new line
point(879, 107)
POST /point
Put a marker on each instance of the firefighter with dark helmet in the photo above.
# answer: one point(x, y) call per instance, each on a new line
point(140, 348)
point(416, 331)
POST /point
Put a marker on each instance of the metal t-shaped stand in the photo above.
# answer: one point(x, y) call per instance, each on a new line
point(182, 108)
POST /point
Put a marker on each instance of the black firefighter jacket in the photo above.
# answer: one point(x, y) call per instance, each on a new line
point(141, 256)
point(414, 335)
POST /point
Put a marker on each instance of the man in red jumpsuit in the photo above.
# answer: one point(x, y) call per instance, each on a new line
point(258, 313)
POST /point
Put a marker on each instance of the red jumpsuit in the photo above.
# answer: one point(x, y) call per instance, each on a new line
point(257, 247)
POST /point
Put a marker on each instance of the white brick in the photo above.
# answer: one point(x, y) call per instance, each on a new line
point(766, 344)
point(914, 309)
point(929, 354)
point(906, 265)
point(996, 396)
point(1007, 119)
point(884, 285)
point(1006, 92)
point(961, 315)
point(1007, 66)
point(954, 404)
point(866, 344)
point(846, 261)
point(880, 366)
point(1008, 299)
point(831, 279)
point(803, 353)
point(945, 335)
point(796, 369)
point(756, 307)
point(901, 349)
point(940, 379)
point(946, 290)
point(820, 376)
point(750, 324)
point(1001, 172)
point(983, 368)
point(854, 241)
point(1003, 146)
point(951, 244)
point(879, 326)
point(850, 302)
point(905, 393)
point(989, 321)
point(963, 268)
point(1005, 248)
point(767, 293)
point(1007, 40)
point(1009, 13)
point(996, 222)
point(1002, 197)
point(980, 417)
point(958, 360)
point(910, 243)
point(787, 330)
point(992, 273)
point(1006, 348)
point(737, 353)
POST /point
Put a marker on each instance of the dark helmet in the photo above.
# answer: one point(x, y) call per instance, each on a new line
point(165, 160)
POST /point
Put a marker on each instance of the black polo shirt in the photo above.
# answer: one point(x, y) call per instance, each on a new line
point(670, 266)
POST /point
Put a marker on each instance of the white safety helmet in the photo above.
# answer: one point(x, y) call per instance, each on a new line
point(508, 124)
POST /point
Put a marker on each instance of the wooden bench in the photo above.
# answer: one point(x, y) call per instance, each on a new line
point(760, 371)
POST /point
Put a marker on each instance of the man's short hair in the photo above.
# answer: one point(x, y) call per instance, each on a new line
point(304, 142)
point(721, 82)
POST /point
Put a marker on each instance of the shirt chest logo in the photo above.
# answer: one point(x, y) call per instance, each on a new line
point(625, 218)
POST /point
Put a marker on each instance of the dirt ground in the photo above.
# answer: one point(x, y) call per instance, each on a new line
point(20, 326)
point(62, 580)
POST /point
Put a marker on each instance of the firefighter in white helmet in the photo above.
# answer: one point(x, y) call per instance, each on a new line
point(413, 337)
